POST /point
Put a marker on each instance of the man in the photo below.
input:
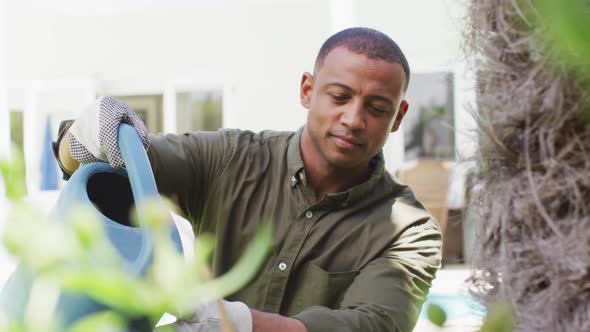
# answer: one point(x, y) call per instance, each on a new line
point(352, 248)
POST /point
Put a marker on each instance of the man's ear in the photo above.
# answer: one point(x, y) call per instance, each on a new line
point(403, 109)
point(306, 89)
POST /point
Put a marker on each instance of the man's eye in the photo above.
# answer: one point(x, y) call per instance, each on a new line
point(377, 110)
point(338, 98)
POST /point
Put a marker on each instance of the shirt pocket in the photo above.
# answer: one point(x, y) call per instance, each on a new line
point(315, 286)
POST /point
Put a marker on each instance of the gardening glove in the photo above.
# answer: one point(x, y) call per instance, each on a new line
point(207, 318)
point(94, 134)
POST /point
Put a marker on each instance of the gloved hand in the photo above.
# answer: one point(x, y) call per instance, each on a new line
point(207, 318)
point(94, 134)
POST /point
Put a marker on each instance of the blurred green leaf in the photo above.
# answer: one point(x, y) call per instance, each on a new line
point(568, 24)
point(86, 226)
point(6, 326)
point(166, 274)
point(436, 314)
point(568, 31)
point(40, 310)
point(166, 328)
point(238, 276)
point(12, 172)
point(27, 234)
point(104, 321)
point(113, 288)
point(499, 318)
point(153, 214)
point(92, 240)
point(197, 266)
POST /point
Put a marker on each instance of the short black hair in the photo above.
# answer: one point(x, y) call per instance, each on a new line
point(368, 42)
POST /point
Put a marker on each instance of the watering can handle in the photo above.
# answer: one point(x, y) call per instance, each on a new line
point(137, 164)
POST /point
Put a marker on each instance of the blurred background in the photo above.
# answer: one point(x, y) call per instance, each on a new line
point(204, 64)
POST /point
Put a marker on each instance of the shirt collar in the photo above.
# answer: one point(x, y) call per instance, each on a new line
point(294, 160)
point(296, 168)
point(362, 190)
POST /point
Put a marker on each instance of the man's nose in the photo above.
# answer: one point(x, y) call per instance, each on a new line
point(353, 116)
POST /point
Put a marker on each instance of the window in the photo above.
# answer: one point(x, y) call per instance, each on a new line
point(428, 126)
point(148, 108)
point(199, 110)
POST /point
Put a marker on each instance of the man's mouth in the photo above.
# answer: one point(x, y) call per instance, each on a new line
point(346, 142)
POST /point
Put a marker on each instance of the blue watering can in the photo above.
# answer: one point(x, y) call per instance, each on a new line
point(110, 193)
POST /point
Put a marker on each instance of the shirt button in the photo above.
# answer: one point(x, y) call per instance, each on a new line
point(308, 214)
point(282, 266)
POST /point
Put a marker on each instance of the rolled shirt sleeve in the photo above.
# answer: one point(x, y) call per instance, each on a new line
point(388, 293)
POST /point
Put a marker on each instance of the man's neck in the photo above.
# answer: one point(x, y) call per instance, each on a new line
point(326, 178)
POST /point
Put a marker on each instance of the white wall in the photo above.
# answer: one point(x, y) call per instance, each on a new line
point(428, 31)
point(4, 118)
point(261, 47)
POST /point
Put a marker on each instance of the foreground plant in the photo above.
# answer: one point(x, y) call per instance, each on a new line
point(76, 256)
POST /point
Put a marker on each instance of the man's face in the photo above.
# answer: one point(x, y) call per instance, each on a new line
point(354, 103)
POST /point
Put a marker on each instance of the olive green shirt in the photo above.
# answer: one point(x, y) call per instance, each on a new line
point(360, 260)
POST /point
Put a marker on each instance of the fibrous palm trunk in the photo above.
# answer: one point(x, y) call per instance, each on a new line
point(533, 179)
